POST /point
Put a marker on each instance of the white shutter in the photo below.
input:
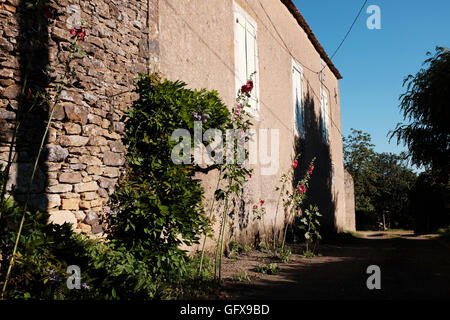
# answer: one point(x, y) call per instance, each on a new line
point(324, 115)
point(298, 107)
point(240, 43)
point(246, 55)
point(251, 61)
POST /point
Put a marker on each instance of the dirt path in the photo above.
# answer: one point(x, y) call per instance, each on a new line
point(411, 268)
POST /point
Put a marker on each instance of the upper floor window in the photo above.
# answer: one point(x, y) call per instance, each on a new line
point(246, 54)
point(297, 91)
point(324, 115)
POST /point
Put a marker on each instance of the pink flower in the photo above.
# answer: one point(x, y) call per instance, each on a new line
point(302, 189)
point(311, 170)
point(295, 164)
point(255, 206)
point(238, 109)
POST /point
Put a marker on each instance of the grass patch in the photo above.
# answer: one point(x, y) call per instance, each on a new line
point(270, 269)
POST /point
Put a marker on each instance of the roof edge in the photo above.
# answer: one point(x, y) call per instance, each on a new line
point(302, 22)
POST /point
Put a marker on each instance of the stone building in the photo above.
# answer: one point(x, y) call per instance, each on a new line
point(214, 44)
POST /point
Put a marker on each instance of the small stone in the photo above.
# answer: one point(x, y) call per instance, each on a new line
point(106, 183)
point(56, 153)
point(89, 196)
point(75, 113)
point(53, 200)
point(11, 92)
point(70, 204)
point(85, 228)
point(85, 187)
point(70, 177)
point(96, 229)
point(80, 215)
point(91, 218)
point(113, 159)
point(63, 216)
point(73, 141)
point(111, 172)
point(85, 204)
point(72, 128)
point(117, 146)
point(90, 161)
point(59, 188)
point(96, 203)
point(95, 170)
point(103, 193)
point(97, 141)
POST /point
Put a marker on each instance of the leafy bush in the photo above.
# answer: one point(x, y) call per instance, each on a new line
point(159, 204)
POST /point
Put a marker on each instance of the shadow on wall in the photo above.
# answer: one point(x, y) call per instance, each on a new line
point(31, 108)
point(313, 145)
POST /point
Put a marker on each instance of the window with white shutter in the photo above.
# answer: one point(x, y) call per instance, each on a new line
point(297, 92)
point(324, 115)
point(246, 54)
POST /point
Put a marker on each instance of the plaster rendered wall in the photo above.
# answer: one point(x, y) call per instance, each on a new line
point(84, 156)
point(197, 46)
point(350, 222)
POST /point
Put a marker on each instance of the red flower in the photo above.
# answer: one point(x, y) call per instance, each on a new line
point(302, 189)
point(248, 87)
point(48, 11)
point(255, 206)
point(249, 176)
point(262, 202)
point(311, 170)
point(78, 32)
point(29, 93)
point(295, 164)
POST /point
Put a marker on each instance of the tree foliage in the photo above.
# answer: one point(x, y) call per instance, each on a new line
point(383, 182)
point(425, 104)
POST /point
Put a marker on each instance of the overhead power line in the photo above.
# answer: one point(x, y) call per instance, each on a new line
point(349, 30)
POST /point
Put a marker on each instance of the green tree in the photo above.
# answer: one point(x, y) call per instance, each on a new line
point(358, 161)
point(427, 136)
point(393, 184)
point(382, 181)
point(425, 106)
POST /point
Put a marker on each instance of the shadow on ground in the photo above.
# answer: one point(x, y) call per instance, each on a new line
point(411, 268)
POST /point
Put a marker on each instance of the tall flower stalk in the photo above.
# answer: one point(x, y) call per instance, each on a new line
point(293, 200)
point(75, 52)
point(236, 173)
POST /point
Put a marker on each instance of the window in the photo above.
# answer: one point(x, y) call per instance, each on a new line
point(246, 54)
point(324, 115)
point(297, 92)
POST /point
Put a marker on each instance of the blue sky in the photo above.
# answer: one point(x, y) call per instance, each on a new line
point(373, 63)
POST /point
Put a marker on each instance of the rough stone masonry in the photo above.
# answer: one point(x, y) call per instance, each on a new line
point(84, 155)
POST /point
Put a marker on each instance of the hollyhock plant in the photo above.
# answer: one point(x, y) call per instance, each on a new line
point(311, 170)
point(48, 11)
point(302, 189)
point(29, 94)
point(78, 31)
point(247, 88)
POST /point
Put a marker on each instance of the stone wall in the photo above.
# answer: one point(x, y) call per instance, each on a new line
point(350, 222)
point(84, 155)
